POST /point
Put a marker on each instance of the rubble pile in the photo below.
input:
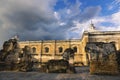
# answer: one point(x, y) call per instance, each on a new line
point(60, 65)
point(13, 58)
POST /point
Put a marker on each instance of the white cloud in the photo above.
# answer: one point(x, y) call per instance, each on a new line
point(68, 11)
point(117, 1)
point(75, 20)
point(57, 16)
point(25, 17)
point(111, 22)
point(36, 19)
point(114, 5)
point(116, 18)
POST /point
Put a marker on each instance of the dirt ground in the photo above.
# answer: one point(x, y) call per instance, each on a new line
point(82, 74)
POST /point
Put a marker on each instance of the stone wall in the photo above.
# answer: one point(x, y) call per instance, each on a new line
point(106, 36)
point(54, 49)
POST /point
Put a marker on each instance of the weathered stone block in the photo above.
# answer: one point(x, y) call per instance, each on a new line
point(103, 58)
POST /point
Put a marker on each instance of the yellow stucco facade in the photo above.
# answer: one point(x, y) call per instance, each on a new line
point(50, 49)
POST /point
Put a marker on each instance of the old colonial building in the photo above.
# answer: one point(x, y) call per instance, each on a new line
point(53, 49)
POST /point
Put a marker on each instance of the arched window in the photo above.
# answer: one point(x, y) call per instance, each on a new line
point(60, 49)
point(75, 49)
point(46, 49)
point(34, 50)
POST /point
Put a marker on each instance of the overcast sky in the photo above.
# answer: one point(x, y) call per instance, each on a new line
point(56, 19)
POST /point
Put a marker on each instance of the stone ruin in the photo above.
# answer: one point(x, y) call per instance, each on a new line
point(13, 58)
point(103, 58)
point(64, 65)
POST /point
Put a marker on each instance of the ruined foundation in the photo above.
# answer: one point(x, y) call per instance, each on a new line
point(107, 67)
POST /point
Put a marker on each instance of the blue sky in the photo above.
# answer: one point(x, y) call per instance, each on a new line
point(108, 7)
point(56, 19)
point(104, 19)
point(105, 4)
